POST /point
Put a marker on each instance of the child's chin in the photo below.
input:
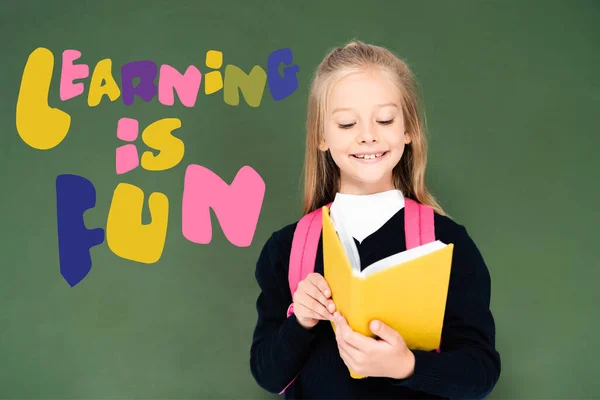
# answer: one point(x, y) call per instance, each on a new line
point(372, 179)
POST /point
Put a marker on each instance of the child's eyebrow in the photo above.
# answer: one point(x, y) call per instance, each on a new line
point(350, 108)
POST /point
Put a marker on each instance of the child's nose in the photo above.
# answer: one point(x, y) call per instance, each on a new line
point(368, 135)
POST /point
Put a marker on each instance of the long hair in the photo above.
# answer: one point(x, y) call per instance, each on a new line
point(321, 174)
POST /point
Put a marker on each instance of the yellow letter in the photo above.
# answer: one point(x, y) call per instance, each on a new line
point(158, 136)
point(102, 73)
point(252, 85)
point(39, 125)
point(213, 81)
point(126, 236)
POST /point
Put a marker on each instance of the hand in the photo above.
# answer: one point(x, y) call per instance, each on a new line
point(312, 301)
point(387, 356)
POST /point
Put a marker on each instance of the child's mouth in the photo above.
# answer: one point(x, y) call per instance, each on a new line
point(370, 157)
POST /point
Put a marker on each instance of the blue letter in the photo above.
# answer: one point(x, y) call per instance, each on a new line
point(74, 196)
point(282, 87)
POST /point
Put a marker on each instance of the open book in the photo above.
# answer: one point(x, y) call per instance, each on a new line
point(406, 291)
point(351, 251)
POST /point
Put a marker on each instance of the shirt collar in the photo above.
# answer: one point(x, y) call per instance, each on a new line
point(365, 214)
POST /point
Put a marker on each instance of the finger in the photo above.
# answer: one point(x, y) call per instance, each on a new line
point(319, 281)
point(385, 332)
point(339, 324)
point(355, 339)
point(303, 295)
point(359, 343)
point(349, 353)
point(315, 305)
point(343, 336)
point(303, 312)
point(314, 292)
point(346, 356)
point(312, 307)
point(341, 321)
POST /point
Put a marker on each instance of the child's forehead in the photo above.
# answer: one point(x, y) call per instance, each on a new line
point(391, 106)
point(363, 103)
point(363, 90)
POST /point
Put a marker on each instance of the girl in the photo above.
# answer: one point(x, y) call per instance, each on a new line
point(366, 153)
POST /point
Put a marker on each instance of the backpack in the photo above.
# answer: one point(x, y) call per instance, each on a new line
point(419, 229)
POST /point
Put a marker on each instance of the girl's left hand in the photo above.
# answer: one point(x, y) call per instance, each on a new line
point(387, 356)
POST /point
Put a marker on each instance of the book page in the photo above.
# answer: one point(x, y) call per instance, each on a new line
point(402, 257)
point(337, 218)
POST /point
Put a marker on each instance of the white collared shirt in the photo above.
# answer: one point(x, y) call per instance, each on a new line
point(365, 214)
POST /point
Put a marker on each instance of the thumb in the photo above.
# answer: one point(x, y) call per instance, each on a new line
point(385, 332)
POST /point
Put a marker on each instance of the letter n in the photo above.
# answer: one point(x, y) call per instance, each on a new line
point(237, 206)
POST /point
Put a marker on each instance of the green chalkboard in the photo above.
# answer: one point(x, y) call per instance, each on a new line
point(511, 92)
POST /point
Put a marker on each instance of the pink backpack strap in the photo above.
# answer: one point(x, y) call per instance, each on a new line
point(305, 241)
point(419, 227)
point(304, 249)
point(304, 254)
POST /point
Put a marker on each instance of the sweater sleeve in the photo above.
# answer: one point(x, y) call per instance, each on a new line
point(280, 344)
point(468, 365)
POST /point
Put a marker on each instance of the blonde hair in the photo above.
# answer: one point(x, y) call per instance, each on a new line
point(321, 174)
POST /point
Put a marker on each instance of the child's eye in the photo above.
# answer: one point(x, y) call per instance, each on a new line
point(348, 126)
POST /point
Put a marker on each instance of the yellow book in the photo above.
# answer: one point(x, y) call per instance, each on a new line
point(406, 291)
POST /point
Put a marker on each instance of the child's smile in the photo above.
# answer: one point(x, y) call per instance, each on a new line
point(369, 158)
point(364, 131)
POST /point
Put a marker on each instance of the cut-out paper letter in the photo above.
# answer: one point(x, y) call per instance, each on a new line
point(39, 125)
point(252, 85)
point(282, 86)
point(128, 129)
point(74, 196)
point(146, 88)
point(237, 206)
point(103, 73)
point(69, 73)
point(126, 236)
point(126, 159)
point(213, 81)
point(158, 136)
point(186, 85)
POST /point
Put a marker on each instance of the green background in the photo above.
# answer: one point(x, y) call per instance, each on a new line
point(512, 95)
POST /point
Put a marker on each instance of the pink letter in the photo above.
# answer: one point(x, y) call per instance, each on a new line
point(127, 129)
point(187, 85)
point(127, 158)
point(237, 206)
point(69, 73)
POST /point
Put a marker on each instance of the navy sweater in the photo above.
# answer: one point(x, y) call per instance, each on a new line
point(467, 367)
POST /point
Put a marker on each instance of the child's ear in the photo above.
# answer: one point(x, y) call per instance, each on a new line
point(407, 139)
point(323, 145)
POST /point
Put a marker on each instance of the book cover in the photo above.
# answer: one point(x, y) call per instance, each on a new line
point(406, 291)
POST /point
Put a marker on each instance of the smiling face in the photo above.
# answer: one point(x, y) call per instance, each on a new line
point(364, 131)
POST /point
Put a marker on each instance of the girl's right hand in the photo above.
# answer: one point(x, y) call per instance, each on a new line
point(312, 301)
